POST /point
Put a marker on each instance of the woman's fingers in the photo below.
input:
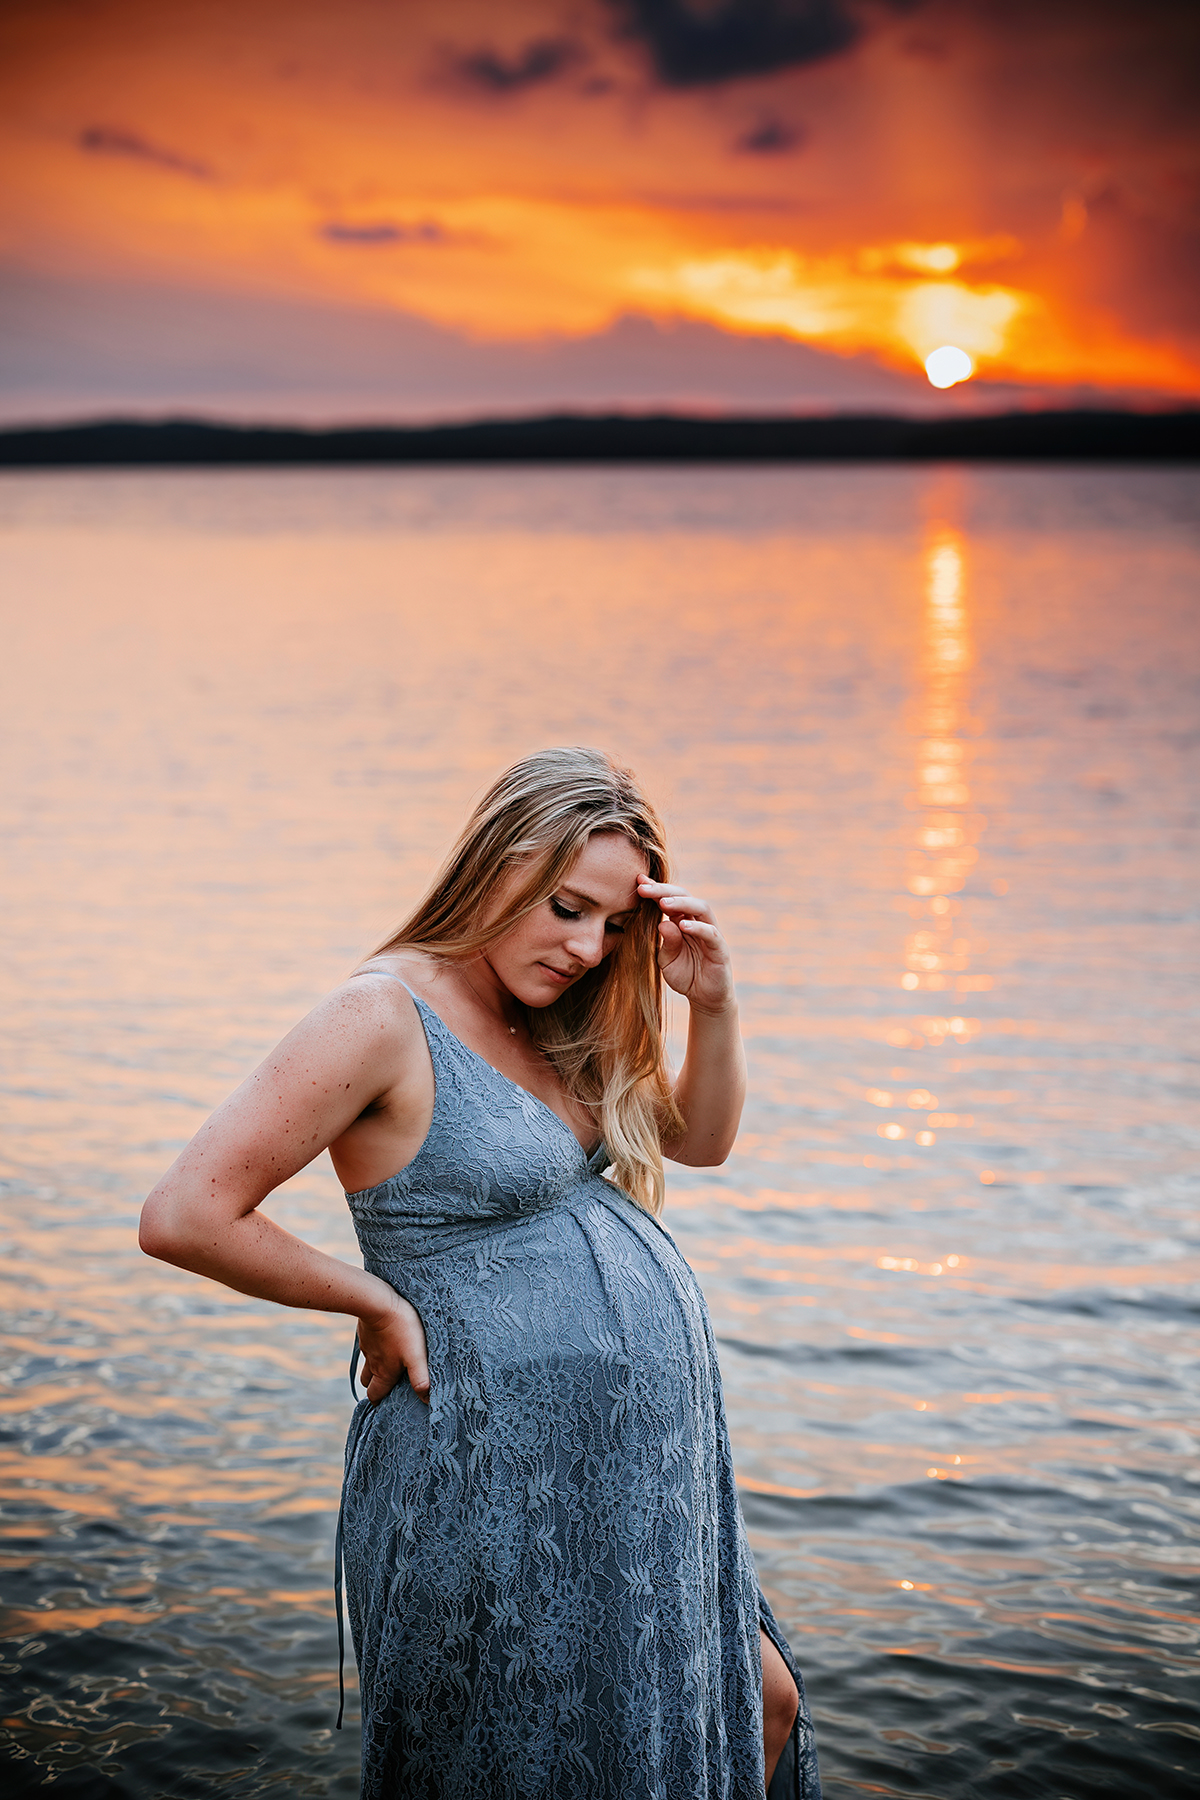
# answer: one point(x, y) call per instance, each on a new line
point(681, 903)
point(694, 960)
point(666, 891)
point(677, 907)
point(417, 1364)
point(392, 1345)
point(413, 1349)
point(692, 955)
point(699, 931)
point(380, 1382)
point(673, 934)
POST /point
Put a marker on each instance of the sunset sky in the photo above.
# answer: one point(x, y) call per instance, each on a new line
point(416, 208)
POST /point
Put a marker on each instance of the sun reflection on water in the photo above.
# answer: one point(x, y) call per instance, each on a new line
point(947, 831)
point(939, 950)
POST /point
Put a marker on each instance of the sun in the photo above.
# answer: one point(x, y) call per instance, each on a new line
point(948, 365)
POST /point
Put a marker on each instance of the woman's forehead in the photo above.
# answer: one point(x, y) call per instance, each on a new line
point(607, 870)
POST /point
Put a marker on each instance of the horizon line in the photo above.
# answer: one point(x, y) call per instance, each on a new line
point(1082, 433)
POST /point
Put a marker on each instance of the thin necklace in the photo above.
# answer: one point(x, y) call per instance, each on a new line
point(512, 1030)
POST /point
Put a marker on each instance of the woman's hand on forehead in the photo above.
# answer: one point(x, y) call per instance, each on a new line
point(692, 954)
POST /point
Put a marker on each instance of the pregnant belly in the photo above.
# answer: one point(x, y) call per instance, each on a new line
point(563, 1291)
point(574, 1418)
point(566, 1329)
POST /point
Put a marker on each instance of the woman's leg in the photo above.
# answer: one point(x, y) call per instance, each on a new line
point(781, 1703)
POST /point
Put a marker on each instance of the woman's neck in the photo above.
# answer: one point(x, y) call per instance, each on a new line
point(490, 993)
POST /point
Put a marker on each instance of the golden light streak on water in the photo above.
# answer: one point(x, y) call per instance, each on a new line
point(938, 952)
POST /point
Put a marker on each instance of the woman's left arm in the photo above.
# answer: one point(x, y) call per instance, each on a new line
point(711, 1087)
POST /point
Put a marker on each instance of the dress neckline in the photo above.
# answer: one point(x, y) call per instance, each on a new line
point(509, 1082)
point(499, 1073)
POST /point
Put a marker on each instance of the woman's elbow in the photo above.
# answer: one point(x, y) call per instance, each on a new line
point(159, 1230)
point(709, 1155)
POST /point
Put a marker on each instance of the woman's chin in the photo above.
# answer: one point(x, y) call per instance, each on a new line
point(540, 990)
point(545, 996)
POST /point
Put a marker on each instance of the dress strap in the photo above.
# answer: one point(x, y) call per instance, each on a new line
point(387, 974)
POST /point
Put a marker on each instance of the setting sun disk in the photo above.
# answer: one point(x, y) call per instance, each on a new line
point(948, 365)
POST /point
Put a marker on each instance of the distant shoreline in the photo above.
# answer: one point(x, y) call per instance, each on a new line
point(1029, 436)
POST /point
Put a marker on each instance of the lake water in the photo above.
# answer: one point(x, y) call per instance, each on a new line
point(928, 737)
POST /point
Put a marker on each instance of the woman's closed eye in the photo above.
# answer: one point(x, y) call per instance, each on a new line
point(565, 912)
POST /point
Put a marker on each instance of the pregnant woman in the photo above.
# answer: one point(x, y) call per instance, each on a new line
point(549, 1583)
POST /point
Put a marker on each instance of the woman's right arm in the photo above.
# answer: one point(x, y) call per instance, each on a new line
point(352, 1049)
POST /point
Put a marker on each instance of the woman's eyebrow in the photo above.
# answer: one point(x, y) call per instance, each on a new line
point(588, 901)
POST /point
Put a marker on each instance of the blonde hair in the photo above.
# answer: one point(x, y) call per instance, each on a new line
point(604, 1037)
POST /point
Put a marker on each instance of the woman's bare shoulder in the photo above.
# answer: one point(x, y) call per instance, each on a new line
point(383, 989)
point(376, 997)
point(412, 969)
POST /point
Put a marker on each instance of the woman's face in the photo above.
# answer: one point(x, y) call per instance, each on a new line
point(577, 927)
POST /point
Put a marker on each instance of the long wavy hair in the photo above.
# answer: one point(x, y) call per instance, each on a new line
point(604, 1036)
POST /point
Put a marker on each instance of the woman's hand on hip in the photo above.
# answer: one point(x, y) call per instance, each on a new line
point(692, 954)
point(392, 1342)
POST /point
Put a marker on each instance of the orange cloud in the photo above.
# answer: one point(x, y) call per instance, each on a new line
point(1010, 333)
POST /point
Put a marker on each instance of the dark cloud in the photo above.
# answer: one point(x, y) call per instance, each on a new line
point(105, 140)
point(542, 59)
point(382, 231)
point(693, 45)
point(770, 137)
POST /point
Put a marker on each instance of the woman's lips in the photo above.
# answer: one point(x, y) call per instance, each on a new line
point(557, 974)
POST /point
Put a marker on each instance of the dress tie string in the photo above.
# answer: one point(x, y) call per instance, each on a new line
point(362, 1412)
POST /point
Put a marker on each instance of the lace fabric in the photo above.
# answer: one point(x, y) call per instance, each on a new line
point(549, 1584)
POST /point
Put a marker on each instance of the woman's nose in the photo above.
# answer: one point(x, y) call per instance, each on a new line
point(586, 943)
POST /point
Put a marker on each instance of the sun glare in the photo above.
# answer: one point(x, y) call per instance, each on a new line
point(930, 259)
point(948, 365)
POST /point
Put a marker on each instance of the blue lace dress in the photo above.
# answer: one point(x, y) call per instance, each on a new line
point(549, 1584)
